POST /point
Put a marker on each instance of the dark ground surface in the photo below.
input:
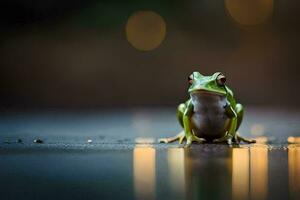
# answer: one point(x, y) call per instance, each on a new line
point(124, 161)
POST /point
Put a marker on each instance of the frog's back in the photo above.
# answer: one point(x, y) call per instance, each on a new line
point(209, 119)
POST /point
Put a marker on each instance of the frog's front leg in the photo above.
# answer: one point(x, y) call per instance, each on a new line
point(231, 132)
point(236, 116)
point(190, 136)
point(184, 113)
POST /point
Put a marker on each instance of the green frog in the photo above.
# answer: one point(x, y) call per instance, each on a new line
point(211, 114)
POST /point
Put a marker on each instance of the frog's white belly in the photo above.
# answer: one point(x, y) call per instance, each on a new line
point(209, 120)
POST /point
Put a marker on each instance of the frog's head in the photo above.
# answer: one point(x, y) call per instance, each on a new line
point(214, 84)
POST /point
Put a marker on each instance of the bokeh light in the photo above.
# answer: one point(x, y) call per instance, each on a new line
point(249, 12)
point(145, 30)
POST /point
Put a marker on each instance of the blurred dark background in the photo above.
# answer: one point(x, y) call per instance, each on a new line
point(117, 53)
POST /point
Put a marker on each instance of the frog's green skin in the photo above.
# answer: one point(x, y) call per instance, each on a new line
point(210, 114)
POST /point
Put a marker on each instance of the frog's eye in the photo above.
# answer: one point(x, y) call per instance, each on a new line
point(190, 79)
point(221, 79)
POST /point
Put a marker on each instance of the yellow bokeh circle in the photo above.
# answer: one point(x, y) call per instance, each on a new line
point(145, 30)
point(249, 12)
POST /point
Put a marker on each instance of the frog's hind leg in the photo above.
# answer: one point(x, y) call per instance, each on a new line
point(246, 140)
point(180, 110)
point(239, 109)
point(240, 113)
point(180, 136)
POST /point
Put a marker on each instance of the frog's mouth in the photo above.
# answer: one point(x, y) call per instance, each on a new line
point(207, 92)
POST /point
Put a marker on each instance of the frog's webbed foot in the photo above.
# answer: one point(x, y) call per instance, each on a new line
point(239, 138)
point(225, 139)
point(192, 139)
point(179, 137)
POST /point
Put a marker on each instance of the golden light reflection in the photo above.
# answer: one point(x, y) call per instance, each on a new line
point(176, 163)
point(141, 140)
point(259, 171)
point(144, 172)
point(294, 170)
point(293, 140)
point(261, 140)
point(250, 172)
point(240, 173)
point(249, 12)
point(145, 30)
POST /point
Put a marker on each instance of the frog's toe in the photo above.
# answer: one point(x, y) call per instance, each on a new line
point(251, 141)
point(226, 139)
point(172, 139)
point(167, 140)
point(246, 140)
point(216, 141)
point(181, 139)
point(188, 144)
point(220, 140)
point(192, 139)
point(229, 141)
point(236, 139)
point(199, 140)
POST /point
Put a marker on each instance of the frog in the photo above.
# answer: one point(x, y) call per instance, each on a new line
point(211, 113)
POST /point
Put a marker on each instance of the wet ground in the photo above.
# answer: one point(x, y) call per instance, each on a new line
point(114, 155)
